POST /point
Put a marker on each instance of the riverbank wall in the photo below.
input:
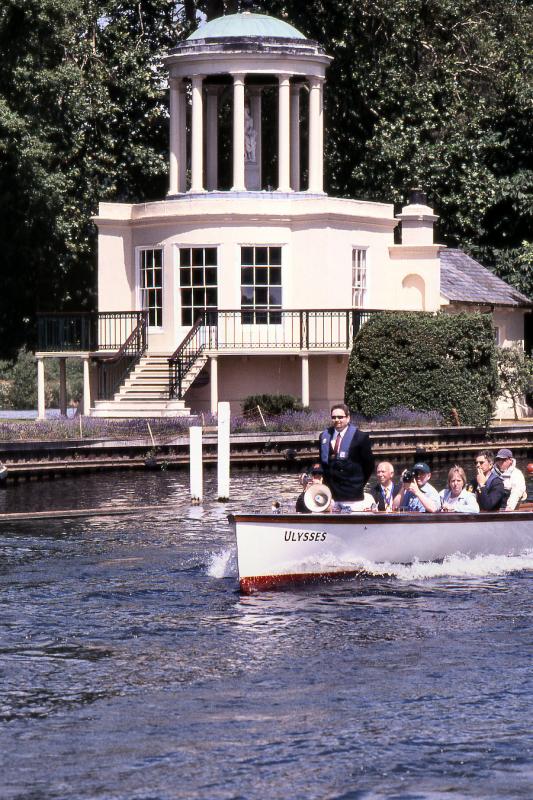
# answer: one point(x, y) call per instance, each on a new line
point(287, 451)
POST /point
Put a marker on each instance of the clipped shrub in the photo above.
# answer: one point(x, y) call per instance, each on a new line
point(425, 362)
point(271, 405)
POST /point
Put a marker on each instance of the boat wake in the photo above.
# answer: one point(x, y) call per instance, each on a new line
point(223, 564)
point(455, 566)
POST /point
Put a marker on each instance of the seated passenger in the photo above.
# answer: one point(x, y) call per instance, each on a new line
point(456, 497)
point(490, 491)
point(417, 494)
point(512, 477)
point(316, 475)
point(386, 489)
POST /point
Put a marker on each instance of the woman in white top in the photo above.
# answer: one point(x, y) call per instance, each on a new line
point(455, 497)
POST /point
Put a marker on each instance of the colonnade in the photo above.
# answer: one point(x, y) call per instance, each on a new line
point(204, 116)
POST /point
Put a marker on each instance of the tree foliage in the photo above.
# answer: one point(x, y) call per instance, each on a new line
point(516, 375)
point(436, 93)
point(425, 362)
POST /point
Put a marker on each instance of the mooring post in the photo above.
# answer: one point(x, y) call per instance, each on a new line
point(223, 456)
point(196, 466)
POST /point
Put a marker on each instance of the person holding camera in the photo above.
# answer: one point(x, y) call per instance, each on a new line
point(417, 494)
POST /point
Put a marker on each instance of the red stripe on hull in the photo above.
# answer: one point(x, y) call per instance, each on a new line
point(261, 582)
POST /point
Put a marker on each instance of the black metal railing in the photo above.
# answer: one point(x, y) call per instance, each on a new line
point(113, 369)
point(86, 331)
point(308, 329)
point(201, 337)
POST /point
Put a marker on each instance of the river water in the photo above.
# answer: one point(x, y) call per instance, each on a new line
point(132, 669)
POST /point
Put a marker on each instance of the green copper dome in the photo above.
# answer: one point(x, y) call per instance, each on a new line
point(246, 24)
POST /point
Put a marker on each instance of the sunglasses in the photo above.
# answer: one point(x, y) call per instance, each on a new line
point(342, 416)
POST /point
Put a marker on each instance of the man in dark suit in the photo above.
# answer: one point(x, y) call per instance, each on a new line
point(383, 493)
point(346, 457)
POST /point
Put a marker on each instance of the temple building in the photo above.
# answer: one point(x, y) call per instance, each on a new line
point(247, 277)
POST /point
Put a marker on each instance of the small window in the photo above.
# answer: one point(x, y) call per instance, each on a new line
point(358, 277)
point(261, 293)
point(151, 284)
point(198, 284)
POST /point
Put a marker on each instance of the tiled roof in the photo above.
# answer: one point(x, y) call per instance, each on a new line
point(462, 279)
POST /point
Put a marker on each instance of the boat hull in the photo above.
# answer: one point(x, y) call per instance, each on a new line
point(273, 550)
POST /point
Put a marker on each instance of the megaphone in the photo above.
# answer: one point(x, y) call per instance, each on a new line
point(317, 497)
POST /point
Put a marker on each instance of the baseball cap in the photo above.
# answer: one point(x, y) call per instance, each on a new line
point(420, 466)
point(504, 453)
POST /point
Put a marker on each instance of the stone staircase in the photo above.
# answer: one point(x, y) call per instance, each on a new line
point(144, 393)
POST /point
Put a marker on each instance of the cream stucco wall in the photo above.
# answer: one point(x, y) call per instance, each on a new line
point(317, 235)
point(241, 376)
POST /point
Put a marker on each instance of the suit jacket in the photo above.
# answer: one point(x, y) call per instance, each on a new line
point(347, 472)
point(378, 495)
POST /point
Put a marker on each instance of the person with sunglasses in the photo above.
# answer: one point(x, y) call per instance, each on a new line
point(346, 458)
point(488, 485)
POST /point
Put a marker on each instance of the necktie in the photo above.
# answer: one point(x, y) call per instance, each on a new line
point(337, 444)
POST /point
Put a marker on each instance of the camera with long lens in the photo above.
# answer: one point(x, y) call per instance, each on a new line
point(408, 476)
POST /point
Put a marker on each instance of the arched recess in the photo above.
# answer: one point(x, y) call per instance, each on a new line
point(414, 293)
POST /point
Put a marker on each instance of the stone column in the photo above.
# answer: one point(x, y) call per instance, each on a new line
point(305, 379)
point(295, 137)
point(182, 144)
point(177, 133)
point(214, 384)
point(41, 410)
point(212, 93)
point(316, 155)
point(86, 387)
point(197, 160)
point(63, 387)
point(284, 183)
point(238, 133)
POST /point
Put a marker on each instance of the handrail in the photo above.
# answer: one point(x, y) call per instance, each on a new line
point(113, 368)
point(185, 355)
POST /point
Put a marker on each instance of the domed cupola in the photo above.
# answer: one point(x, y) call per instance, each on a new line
point(260, 68)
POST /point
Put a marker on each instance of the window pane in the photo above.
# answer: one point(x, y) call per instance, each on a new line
point(274, 296)
point(185, 257)
point(197, 276)
point(275, 276)
point(275, 318)
point(275, 255)
point(185, 277)
point(261, 317)
point(247, 317)
point(261, 255)
point(158, 258)
point(247, 275)
point(198, 297)
point(261, 295)
point(197, 257)
point(211, 276)
point(211, 297)
point(247, 256)
point(186, 317)
point(210, 256)
point(261, 276)
point(186, 297)
point(247, 295)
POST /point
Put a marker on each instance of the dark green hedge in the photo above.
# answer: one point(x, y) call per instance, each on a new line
point(426, 362)
point(271, 404)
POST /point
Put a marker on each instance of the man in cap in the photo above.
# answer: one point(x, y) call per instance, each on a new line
point(417, 494)
point(512, 477)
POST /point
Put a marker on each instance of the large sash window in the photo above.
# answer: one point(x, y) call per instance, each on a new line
point(198, 284)
point(261, 285)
